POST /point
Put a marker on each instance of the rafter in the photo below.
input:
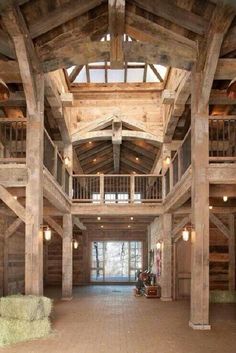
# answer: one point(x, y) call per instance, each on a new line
point(62, 14)
point(175, 14)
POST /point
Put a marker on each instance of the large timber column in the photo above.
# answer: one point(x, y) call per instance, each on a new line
point(34, 197)
point(33, 83)
point(199, 317)
point(166, 275)
point(67, 257)
point(202, 80)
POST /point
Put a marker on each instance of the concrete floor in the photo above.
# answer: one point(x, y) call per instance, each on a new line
point(109, 319)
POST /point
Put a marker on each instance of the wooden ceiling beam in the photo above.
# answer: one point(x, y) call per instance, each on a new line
point(221, 20)
point(147, 31)
point(6, 46)
point(153, 53)
point(226, 69)
point(100, 135)
point(175, 14)
point(229, 43)
point(61, 15)
point(116, 11)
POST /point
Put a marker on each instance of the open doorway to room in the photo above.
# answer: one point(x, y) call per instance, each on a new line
point(115, 261)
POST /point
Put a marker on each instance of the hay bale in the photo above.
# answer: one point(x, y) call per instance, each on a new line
point(222, 296)
point(13, 331)
point(25, 307)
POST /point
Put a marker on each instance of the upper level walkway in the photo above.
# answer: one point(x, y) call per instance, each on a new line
point(134, 194)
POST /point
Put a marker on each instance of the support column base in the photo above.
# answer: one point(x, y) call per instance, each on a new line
point(66, 299)
point(166, 299)
point(199, 326)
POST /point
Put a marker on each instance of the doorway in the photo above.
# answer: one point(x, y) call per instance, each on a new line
point(115, 261)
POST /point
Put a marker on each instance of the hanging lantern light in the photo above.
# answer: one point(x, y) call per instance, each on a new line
point(4, 91)
point(185, 234)
point(67, 161)
point(158, 245)
point(76, 244)
point(48, 233)
point(167, 160)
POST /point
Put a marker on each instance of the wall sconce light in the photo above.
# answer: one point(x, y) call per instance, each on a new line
point(167, 160)
point(158, 245)
point(47, 233)
point(225, 198)
point(75, 244)
point(67, 160)
point(185, 234)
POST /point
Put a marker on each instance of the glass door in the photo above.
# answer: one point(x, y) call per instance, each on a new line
point(116, 261)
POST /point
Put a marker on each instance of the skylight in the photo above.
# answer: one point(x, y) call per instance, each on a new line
point(132, 72)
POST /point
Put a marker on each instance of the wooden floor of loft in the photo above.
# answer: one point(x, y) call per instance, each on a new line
point(105, 319)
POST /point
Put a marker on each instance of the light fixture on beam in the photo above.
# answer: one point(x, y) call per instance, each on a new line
point(47, 233)
point(137, 159)
point(131, 218)
point(99, 218)
point(95, 160)
point(158, 245)
point(210, 207)
point(67, 161)
point(185, 234)
point(225, 198)
point(15, 197)
point(129, 226)
point(102, 226)
point(167, 160)
point(75, 244)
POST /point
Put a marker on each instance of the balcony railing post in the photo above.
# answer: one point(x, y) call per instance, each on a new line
point(163, 187)
point(101, 188)
point(55, 162)
point(132, 188)
point(180, 163)
point(63, 183)
point(171, 175)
